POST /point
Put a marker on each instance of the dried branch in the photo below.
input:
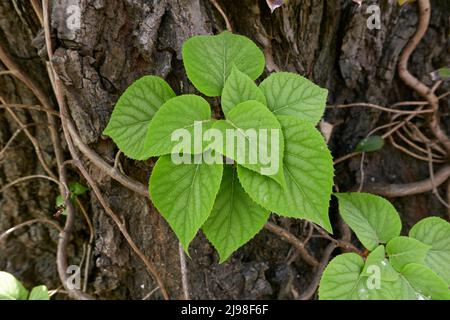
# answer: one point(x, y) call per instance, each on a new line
point(312, 288)
point(184, 273)
point(409, 189)
point(26, 178)
point(90, 244)
point(293, 240)
point(27, 223)
point(416, 84)
point(29, 107)
point(222, 13)
point(377, 107)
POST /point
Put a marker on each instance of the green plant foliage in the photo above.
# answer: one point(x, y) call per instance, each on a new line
point(132, 114)
point(400, 271)
point(372, 218)
point(340, 278)
point(444, 73)
point(405, 250)
point(370, 144)
point(39, 293)
point(292, 174)
point(235, 218)
point(308, 171)
point(76, 189)
point(435, 232)
point(249, 115)
point(188, 112)
point(292, 95)
point(13, 289)
point(209, 59)
point(239, 88)
point(184, 194)
point(378, 258)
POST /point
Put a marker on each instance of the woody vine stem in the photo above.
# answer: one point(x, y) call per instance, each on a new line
point(58, 116)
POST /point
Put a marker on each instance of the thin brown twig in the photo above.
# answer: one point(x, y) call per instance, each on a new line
point(293, 240)
point(14, 136)
point(184, 272)
point(374, 106)
point(222, 13)
point(4, 234)
point(90, 244)
point(26, 178)
point(416, 84)
point(29, 107)
point(37, 10)
point(152, 269)
point(6, 73)
point(411, 153)
point(61, 254)
point(309, 292)
point(33, 140)
point(66, 123)
point(409, 189)
point(346, 157)
point(431, 172)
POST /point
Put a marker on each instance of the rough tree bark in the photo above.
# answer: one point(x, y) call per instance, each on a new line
point(121, 40)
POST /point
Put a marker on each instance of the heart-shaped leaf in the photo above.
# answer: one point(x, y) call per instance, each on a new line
point(134, 111)
point(11, 288)
point(39, 293)
point(239, 88)
point(435, 232)
point(253, 138)
point(292, 95)
point(208, 60)
point(405, 250)
point(373, 219)
point(184, 194)
point(235, 217)
point(308, 172)
point(185, 117)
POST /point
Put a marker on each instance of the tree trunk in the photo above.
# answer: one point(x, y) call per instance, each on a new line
point(118, 42)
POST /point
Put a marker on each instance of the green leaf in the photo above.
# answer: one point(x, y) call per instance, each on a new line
point(404, 250)
point(39, 293)
point(183, 118)
point(377, 258)
point(235, 218)
point(11, 288)
point(370, 144)
point(426, 283)
point(239, 88)
point(444, 73)
point(184, 194)
point(208, 60)
point(340, 278)
point(373, 219)
point(435, 232)
point(60, 202)
point(77, 189)
point(346, 278)
point(133, 112)
point(308, 172)
point(293, 95)
point(249, 120)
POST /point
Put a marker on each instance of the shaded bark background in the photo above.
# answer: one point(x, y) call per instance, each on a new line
point(121, 40)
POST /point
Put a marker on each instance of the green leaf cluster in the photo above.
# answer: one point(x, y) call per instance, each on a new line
point(230, 202)
point(76, 189)
point(13, 289)
point(397, 267)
